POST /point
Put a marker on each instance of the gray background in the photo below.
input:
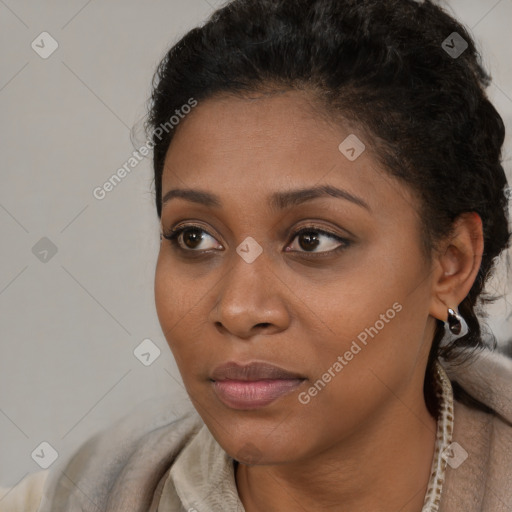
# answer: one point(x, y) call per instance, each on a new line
point(69, 325)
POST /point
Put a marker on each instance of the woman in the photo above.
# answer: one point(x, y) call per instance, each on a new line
point(332, 202)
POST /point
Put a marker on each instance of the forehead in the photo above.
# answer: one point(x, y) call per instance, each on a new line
point(254, 146)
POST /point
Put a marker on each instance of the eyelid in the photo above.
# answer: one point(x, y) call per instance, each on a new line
point(314, 227)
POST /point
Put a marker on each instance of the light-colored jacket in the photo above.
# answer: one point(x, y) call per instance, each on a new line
point(124, 467)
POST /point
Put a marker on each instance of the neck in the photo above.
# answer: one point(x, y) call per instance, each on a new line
point(384, 467)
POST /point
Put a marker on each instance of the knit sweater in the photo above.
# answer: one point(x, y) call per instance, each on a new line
point(151, 462)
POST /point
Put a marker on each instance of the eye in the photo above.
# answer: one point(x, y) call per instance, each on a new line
point(310, 239)
point(189, 238)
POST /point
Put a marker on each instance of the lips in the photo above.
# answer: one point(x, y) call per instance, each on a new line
point(253, 385)
point(252, 371)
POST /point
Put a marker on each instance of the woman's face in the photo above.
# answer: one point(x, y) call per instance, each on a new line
point(342, 306)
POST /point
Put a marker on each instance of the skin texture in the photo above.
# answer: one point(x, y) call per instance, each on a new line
point(366, 440)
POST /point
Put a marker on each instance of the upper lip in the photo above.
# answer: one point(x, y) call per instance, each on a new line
point(252, 371)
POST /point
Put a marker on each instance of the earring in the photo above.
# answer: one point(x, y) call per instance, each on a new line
point(456, 324)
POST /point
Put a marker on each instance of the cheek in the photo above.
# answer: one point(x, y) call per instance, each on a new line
point(181, 306)
point(171, 302)
point(176, 295)
point(164, 294)
point(375, 320)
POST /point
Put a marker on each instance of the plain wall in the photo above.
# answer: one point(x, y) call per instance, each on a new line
point(69, 325)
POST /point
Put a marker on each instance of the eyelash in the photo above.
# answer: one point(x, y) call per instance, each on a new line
point(173, 235)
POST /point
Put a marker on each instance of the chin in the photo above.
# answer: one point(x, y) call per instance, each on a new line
point(255, 448)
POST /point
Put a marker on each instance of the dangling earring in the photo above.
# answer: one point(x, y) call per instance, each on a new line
point(457, 326)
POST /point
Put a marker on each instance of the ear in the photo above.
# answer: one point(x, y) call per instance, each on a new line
point(456, 265)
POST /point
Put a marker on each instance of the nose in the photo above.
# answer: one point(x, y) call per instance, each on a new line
point(251, 300)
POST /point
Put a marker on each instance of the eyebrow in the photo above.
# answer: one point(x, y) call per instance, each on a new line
point(278, 200)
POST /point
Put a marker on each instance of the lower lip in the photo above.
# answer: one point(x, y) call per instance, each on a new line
point(240, 394)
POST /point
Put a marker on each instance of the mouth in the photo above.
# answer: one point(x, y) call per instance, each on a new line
point(253, 385)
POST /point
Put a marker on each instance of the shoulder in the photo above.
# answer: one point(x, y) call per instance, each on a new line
point(26, 495)
point(480, 461)
point(487, 377)
point(122, 463)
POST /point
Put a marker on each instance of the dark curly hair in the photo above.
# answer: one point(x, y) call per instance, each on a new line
point(384, 66)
